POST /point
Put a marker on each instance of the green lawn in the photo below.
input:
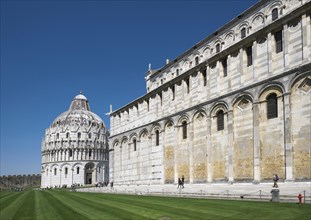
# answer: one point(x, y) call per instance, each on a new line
point(61, 204)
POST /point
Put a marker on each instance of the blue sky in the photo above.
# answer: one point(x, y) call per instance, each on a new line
point(50, 50)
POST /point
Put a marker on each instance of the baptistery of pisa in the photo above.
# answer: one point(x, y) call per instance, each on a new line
point(235, 107)
point(75, 148)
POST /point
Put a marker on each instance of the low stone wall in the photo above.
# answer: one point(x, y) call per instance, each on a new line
point(20, 181)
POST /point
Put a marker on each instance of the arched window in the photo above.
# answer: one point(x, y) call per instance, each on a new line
point(220, 120)
point(196, 60)
point(275, 14)
point(90, 135)
point(57, 135)
point(272, 106)
point(55, 171)
point(157, 137)
point(67, 135)
point(243, 33)
point(184, 130)
point(70, 152)
point(78, 170)
point(177, 72)
point(66, 171)
point(217, 48)
point(134, 144)
point(90, 153)
point(79, 135)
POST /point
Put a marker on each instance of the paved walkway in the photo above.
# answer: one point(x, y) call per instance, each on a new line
point(288, 192)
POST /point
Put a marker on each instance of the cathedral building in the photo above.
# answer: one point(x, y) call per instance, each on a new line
point(235, 107)
point(75, 148)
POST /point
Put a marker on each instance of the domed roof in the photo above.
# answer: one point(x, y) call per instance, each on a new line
point(79, 114)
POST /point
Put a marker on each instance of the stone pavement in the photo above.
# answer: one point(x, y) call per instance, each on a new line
point(288, 192)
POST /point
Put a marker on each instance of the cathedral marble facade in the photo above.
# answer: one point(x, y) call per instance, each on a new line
point(235, 107)
point(75, 148)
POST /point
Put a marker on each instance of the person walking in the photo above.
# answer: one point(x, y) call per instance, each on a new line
point(182, 181)
point(179, 183)
point(275, 180)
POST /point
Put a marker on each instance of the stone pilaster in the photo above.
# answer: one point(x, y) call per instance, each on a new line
point(191, 152)
point(306, 38)
point(175, 154)
point(270, 47)
point(286, 46)
point(256, 142)
point(209, 152)
point(288, 138)
point(230, 146)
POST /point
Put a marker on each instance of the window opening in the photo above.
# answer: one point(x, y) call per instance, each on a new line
point(249, 54)
point(217, 48)
point(173, 92)
point(184, 130)
point(204, 77)
point(278, 42)
point(275, 14)
point(157, 138)
point(243, 33)
point(272, 106)
point(225, 67)
point(196, 60)
point(135, 144)
point(220, 120)
point(187, 84)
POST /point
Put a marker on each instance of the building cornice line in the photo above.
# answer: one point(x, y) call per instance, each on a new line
point(299, 70)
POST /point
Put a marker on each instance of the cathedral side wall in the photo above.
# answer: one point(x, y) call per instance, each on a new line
point(250, 146)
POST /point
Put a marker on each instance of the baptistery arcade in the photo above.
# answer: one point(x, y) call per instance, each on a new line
point(75, 148)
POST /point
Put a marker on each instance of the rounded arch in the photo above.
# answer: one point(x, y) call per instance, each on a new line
point(239, 97)
point(258, 17)
point(169, 122)
point(77, 164)
point(296, 79)
point(155, 127)
point(276, 4)
point(65, 164)
point(124, 139)
point(133, 136)
point(218, 40)
point(244, 24)
point(184, 117)
point(276, 87)
point(199, 111)
point(115, 142)
point(142, 132)
point(221, 105)
point(230, 37)
point(206, 51)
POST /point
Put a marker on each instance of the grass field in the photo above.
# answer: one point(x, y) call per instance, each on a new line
point(61, 204)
